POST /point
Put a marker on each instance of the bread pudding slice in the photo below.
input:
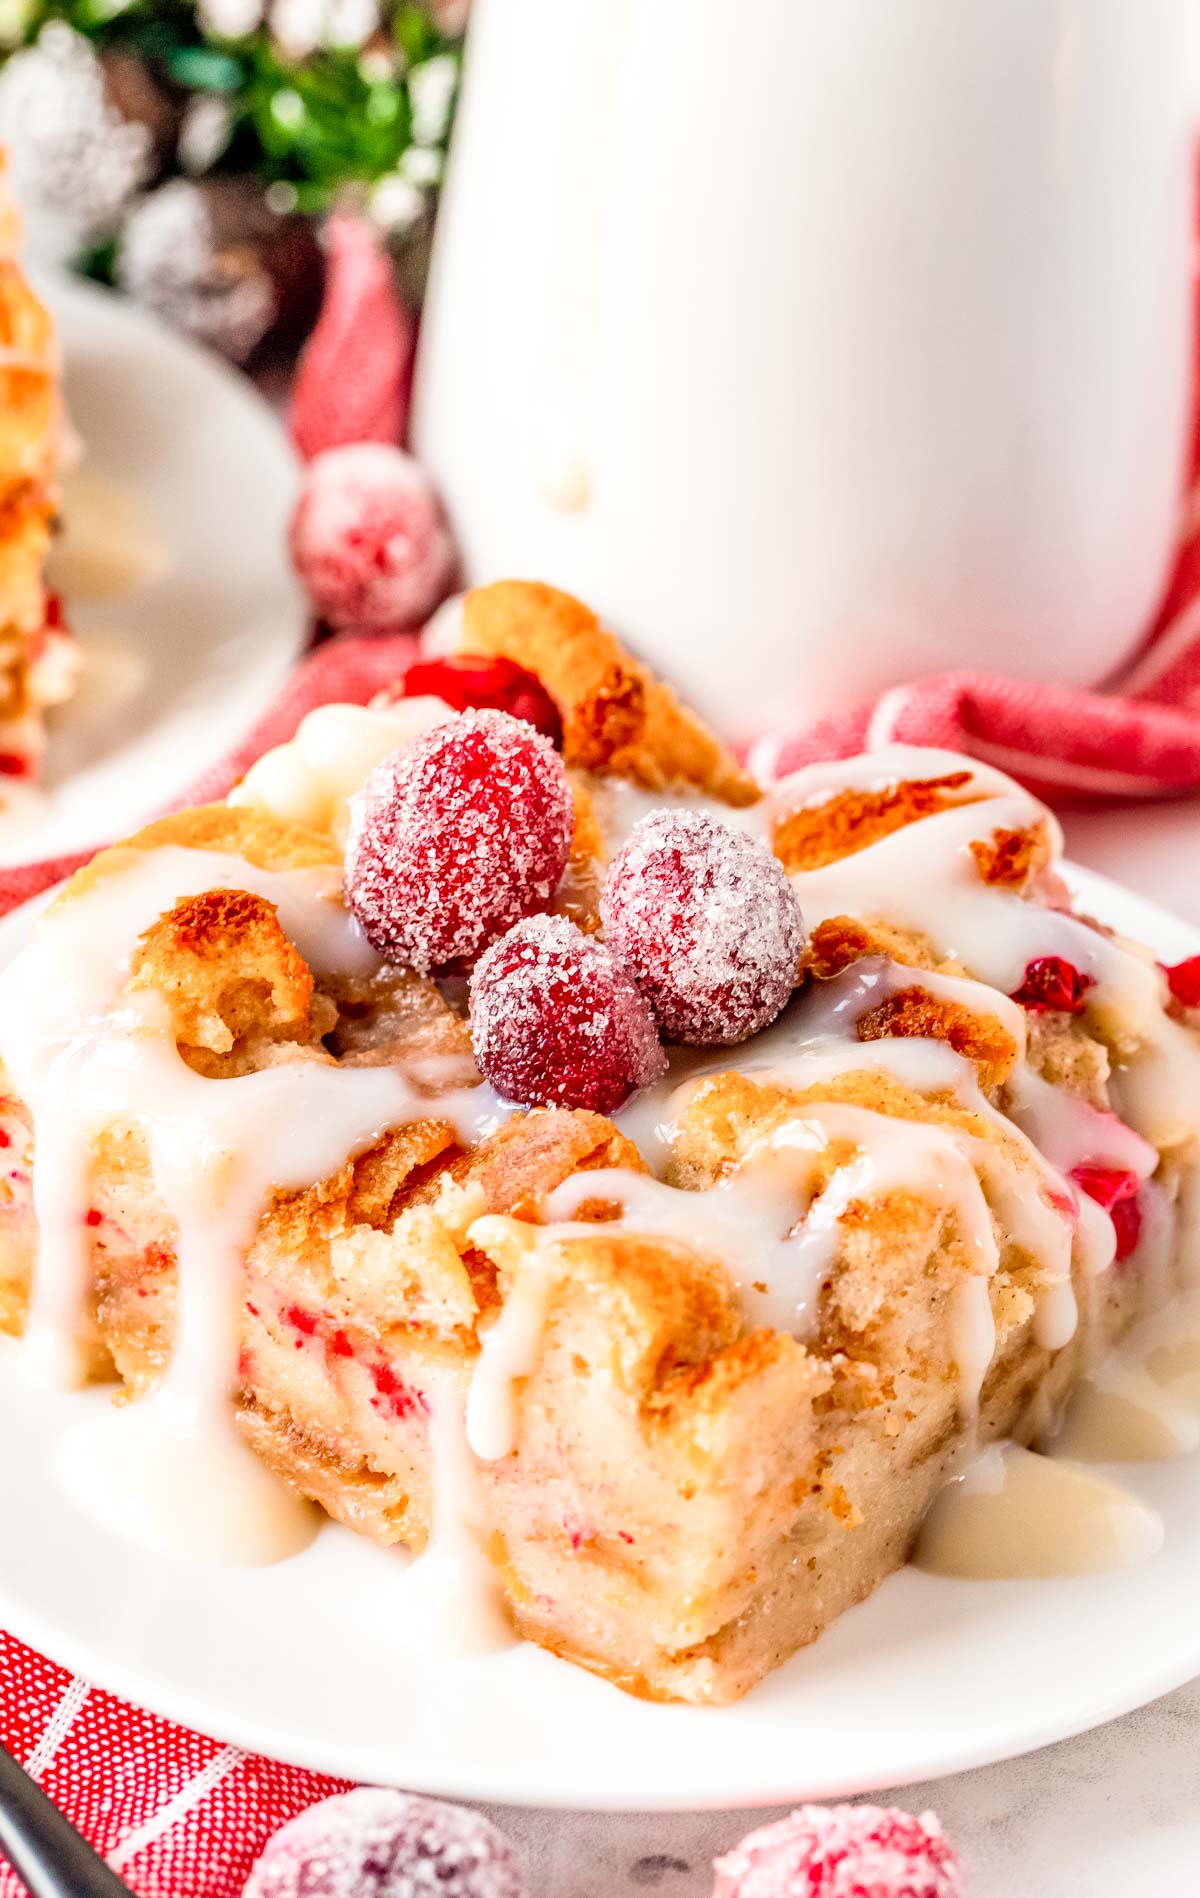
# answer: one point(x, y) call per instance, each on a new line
point(38, 657)
point(682, 1379)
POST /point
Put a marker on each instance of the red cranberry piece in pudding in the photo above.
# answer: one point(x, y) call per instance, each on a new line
point(1126, 1216)
point(1116, 1190)
point(842, 1852)
point(1051, 982)
point(556, 1020)
point(709, 924)
point(374, 1843)
point(476, 684)
point(455, 837)
point(1183, 980)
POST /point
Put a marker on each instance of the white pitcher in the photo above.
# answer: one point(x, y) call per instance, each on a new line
point(822, 345)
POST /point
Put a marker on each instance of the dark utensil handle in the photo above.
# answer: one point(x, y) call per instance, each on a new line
point(43, 1847)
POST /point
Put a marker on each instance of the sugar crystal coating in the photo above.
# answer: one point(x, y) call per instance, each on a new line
point(374, 1843)
point(706, 919)
point(556, 1021)
point(368, 539)
point(842, 1852)
point(455, 837)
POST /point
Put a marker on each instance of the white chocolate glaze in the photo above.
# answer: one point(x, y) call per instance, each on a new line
point(1015, 1515)
point(809, 1046)
point(1142, 1403)
point(508, 1350)
point(972, 1341)
point(311, 778)
point(196, 1493)
point(778, 1238)
point(452, 1591)
point(1070, 1132)
point(923, 877)
point(879, 769)
point(86, 1058)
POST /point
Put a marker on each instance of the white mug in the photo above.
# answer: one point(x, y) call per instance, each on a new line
point(822, 346)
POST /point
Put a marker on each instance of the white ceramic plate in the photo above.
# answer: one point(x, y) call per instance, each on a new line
point(312, 1661)
point(176, 670)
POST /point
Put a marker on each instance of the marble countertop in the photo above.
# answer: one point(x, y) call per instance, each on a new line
point(1113, 1813)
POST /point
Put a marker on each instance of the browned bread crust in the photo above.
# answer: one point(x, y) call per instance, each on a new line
point(618, 718)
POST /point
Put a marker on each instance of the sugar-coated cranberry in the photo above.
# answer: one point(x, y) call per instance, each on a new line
point(1183, 980)
point(1115, 1188)
point(707, 921)
point(456, 836)
point(1051, 982)
point(368, 538)
point(556, 1021)
point(373, 1843)
point(842, 1852)
point(473, 684)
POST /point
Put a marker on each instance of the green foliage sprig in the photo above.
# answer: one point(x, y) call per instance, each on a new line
point(338, 117)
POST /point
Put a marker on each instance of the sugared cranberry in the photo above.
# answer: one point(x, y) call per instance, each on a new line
point(1115, 1188)
point(474, 684)
point(373, 1843)
point(1183, 980)
point(368, 539)
point(1053, 982)
point(707, 921)
point(842, 1852)
point(456, 836)
point(556, 1020)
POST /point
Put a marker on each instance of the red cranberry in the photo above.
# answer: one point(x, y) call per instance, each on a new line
point(373, 1843)
point(1183, 980)
point(456, 836)
point(368, 538)
point(556, 1020)
point(475, 684)
point(1126, 1216)
point(1051, 982)
point(1107, 1185)
point(842, 1852)
point(1116, 1189)
point(708, 922)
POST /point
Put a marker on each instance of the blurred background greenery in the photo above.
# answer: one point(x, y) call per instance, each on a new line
point(190, 151)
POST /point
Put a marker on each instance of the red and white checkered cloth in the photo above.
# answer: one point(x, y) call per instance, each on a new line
point(179, 1815)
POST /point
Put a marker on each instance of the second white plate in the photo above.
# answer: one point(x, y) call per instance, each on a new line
point(177, 669)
